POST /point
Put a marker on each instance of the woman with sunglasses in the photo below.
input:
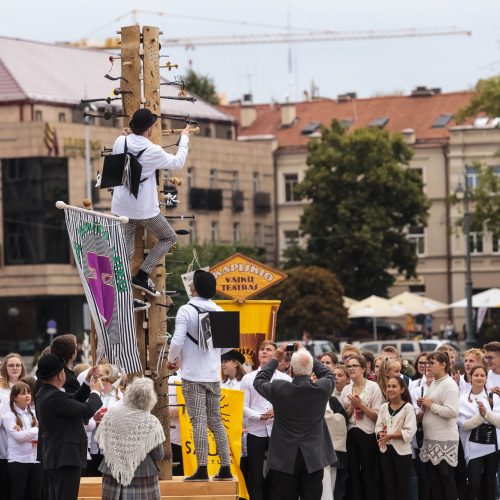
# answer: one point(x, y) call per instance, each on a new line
point(396, 425)
point(11, 372)
point(479, 422)
point(362, 400)
point(440, 445)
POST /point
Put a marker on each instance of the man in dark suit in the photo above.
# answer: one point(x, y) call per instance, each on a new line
point(63, 451)
point(300, 445)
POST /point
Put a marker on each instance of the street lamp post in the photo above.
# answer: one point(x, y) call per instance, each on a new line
point(464, 192)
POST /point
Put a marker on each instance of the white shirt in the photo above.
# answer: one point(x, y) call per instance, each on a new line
point(463, 386)
point(21, 444)
point(255, 405)
point(4, 408)
point(404, 421)
point(493, 380)
point(197, 365)
point(231, 384)
point(146, 204)
point(175, 428)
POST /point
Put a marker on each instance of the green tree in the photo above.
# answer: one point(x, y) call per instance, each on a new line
point(484, 201)
point(486, 100)
point(311, 300)
point(363, 201)
point(201, 85)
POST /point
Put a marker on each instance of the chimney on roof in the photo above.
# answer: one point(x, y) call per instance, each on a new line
point(409, 135)
point(423, 91)
point(288, 114)
point(248, 115)
point(348, 96)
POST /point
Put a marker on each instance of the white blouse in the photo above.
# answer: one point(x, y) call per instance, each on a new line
point(404, 421)
point(21, 445)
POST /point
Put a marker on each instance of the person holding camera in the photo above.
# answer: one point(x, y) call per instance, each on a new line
point(479, 423)
point(61, 417)
point(300, 446)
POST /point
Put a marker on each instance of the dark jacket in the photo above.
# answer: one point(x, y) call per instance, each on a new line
point(60, 416)
point(299, 418)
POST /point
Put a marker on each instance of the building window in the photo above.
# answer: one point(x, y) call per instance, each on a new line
point(256, 182)
point(291, 181)
point(472, 177)
point(417, 289)
point(62, 117)
point(215, 232)
point(257, 235)
point(213, 178)
point(476, 243)
point(34, 231)
point(38, 116)
point(192, 232)
point(495, 242)
point(291, 239)
point(236, 232)
point(234, 182)
point(416, 236)
point(190, 172)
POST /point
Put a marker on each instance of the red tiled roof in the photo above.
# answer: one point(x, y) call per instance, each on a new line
point(418, 113)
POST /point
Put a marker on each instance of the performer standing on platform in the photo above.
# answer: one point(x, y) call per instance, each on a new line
point(200, 377)
point(60, 417)
point(145, 209)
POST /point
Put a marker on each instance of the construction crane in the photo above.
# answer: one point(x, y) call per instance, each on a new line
point(292, 35)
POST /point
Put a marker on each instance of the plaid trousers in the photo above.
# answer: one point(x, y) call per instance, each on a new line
point(203, 407)
point(157, 225)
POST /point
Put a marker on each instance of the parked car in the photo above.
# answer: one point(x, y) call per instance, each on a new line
point(362, 329)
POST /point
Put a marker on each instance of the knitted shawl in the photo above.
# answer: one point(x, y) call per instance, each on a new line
point(126, 435)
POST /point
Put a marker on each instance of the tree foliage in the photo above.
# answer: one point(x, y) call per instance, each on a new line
point(486, 100)
point(484, 201)
point(363, 200)
point(311, 301)
point(201, 85)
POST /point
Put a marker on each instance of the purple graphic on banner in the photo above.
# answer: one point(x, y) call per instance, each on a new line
point(100, 281)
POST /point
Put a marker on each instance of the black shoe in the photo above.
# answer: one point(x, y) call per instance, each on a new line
point(146, 286)
point(201, 474)
point(224, 474)
point(140, 305)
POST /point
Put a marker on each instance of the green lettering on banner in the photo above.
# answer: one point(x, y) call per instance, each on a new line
point(120, 276)
point(78, 252)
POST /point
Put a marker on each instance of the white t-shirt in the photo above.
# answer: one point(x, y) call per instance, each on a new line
point(154, 158)
point(493, 380)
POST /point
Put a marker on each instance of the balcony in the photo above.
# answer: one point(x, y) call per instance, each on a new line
point(261, 203)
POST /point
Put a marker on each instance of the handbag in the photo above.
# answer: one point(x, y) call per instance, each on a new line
point(484, 433)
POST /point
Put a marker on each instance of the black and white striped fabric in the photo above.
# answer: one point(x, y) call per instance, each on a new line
point(101, 259)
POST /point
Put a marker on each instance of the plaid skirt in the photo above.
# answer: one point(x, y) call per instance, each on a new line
point(141, 488)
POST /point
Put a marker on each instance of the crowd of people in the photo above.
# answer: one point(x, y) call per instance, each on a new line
point(348, 427)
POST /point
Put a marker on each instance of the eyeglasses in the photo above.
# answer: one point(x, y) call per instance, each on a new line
point(351, 367)
point(15, 366)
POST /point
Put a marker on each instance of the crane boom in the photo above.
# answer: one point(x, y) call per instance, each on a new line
point(313, 36)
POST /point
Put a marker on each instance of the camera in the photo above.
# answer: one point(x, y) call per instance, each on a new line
point(291, 348)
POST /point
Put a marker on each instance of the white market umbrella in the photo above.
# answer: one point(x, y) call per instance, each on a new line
point(413, 304)
point(348, 302)
point(489, 298)
point(375, 307)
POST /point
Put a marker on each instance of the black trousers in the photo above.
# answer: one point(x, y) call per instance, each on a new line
point(363, 465)
point(63, 482)
point(301, 484)
point(396, 471)
point(4, 479)
point(441, 478)
point(177, 470)
point(423, 484)
point(25, 480)
point(257, 448)
point(481, 477)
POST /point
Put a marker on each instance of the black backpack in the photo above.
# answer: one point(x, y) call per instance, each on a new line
point(122, 169)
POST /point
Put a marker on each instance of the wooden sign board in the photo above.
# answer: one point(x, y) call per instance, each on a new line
point(240, 277)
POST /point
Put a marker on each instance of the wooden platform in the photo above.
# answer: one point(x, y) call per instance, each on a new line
point(176, 489)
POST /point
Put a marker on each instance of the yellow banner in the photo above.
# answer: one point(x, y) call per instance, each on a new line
point(231, 409)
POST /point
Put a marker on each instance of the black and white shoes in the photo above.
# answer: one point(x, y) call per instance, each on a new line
point(146, 285)
point(140, 305)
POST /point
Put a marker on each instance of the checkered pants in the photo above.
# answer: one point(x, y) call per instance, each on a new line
point(157, 225)
point(203, 407)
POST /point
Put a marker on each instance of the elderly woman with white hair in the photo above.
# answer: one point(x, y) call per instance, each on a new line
point(131, 440)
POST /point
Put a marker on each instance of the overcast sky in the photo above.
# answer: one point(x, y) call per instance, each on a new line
point(367, 67)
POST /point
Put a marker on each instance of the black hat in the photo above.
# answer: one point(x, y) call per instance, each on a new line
point(233, 355)
point(204, 283)
point(142, 119)
point(49, 365)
